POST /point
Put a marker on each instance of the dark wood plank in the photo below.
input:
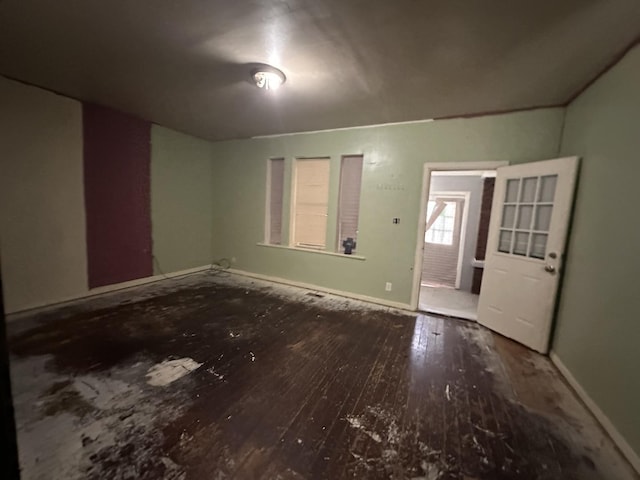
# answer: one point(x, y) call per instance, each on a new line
point(291, 386)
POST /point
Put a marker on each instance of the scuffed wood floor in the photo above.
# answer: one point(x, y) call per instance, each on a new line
point(216, 377)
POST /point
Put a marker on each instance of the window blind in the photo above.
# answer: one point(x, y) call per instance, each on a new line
point(311, 201)
point(276, 192)
point(349, 200)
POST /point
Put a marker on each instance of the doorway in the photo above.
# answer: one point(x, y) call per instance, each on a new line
point(454, 221)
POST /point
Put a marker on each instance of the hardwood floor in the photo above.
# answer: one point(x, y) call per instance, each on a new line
point(216, 377)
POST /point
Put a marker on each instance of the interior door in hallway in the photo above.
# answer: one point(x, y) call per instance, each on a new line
point(525, 250)
point(443, 236)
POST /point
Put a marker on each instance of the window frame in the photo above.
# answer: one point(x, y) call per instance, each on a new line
point(338, 245)
point(445, 231)
point(268, 199)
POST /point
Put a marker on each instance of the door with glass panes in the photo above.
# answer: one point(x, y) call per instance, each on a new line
point(525, 249)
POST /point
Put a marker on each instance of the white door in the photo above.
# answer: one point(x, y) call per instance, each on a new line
point(525, 249)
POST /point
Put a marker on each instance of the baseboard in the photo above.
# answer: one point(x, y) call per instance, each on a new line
point(309, 286)
point(35, 308)
point(617, 438)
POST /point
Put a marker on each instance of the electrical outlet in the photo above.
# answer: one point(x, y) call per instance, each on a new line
point(387, 286)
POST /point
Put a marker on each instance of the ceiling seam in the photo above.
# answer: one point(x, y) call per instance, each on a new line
point(612, 63)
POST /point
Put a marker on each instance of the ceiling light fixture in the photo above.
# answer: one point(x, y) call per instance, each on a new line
point(268, 77)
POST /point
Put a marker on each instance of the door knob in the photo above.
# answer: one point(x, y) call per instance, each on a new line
point(550, 268)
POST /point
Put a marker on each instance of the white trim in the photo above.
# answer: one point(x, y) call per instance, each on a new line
point(465, 173)
point(312, 250)
point(424, 196)
point(616, 436)
point(463, 238)
point(410, 122)
point(318, 288)
point(33, 308)
point(475, 263)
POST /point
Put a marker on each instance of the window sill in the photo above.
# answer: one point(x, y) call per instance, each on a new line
point(310, 250)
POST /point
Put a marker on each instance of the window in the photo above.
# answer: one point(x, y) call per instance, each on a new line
point(275, 191)
point(440, 229)
point(310, 203)
point(526, 216)
point(349, 201)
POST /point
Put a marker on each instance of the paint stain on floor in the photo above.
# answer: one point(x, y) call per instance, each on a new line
point(214, 377)
point(168, 371)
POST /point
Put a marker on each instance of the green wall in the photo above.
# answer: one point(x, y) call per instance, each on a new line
point(181, 200)
point(392, 179)
point(598, 330)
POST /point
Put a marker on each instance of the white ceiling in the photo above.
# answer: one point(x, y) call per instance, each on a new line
point(185, 63)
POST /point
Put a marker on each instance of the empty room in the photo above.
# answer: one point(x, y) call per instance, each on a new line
point(320, 239)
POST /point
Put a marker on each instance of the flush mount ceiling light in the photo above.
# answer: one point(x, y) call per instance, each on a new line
point(268, 77)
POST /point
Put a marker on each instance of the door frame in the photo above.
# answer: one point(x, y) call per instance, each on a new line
point(427, 169)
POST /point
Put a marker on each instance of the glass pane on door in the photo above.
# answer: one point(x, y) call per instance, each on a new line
point(543, 218)
point(547, 190)
point(526, 216)
point(504, 245)
point(508, 216)
point(512, 190)
point(528, 193)
point(521, 243)
point(538, 245)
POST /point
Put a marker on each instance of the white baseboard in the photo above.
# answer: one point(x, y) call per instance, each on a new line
point(615, 435)
point(309, 286)
point(31, 309)
point(34, 308)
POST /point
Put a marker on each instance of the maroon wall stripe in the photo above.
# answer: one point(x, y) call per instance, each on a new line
point(117, 158)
